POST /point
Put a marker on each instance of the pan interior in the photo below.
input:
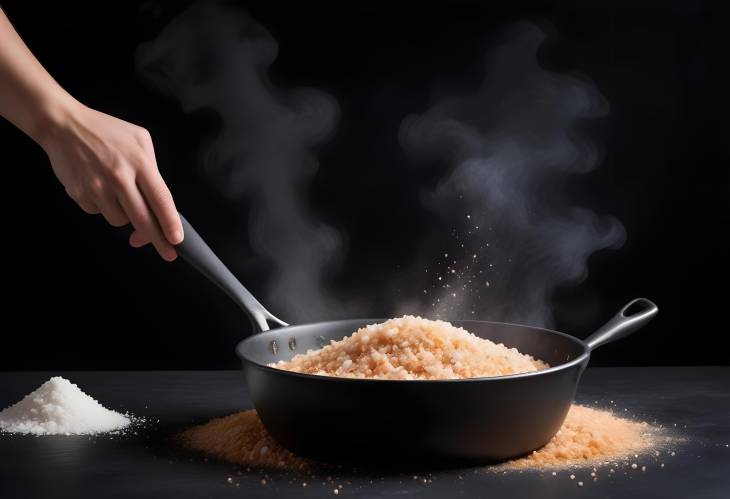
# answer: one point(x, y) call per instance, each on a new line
point(282, 344)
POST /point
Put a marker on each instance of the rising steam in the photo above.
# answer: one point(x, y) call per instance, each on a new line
point(215, 57)
point(507, 150)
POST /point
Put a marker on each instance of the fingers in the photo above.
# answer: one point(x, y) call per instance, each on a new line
point(85, 204)
point(159, 199)
point(137, 239)
point(145, 222)
point(113, 212)
point(88, 207)
point(115, 173)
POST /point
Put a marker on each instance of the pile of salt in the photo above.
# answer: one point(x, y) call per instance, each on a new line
point(59, 407)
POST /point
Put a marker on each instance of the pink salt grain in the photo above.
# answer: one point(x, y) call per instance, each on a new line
point(241, 438)
point(589, 436)
point(410, 348)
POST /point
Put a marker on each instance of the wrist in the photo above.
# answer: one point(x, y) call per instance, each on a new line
point(54, 118)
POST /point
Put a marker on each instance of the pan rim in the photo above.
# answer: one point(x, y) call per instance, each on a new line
point(584, 356)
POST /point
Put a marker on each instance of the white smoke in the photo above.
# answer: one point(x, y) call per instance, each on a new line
point(215, 57)
point(507, 150)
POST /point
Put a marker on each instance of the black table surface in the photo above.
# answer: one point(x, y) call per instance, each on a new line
point(147, 463)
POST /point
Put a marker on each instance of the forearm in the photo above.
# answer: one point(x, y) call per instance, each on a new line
point(107, 165)
point(29, 97)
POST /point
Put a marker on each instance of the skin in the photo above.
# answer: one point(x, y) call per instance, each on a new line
point(106, 165)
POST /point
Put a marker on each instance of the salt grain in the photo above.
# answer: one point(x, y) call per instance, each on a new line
point(589, 436)
point(412, 348)
point(59, 407)
point(240, 438)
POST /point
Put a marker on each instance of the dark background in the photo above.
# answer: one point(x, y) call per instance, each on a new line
point(77, 297)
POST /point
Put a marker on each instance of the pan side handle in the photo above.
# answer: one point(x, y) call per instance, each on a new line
point(633, 316)
point(197, 253)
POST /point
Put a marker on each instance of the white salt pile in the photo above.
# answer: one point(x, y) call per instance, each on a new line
point(59, 407)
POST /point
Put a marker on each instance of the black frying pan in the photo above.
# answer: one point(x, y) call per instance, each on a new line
point(377, 421)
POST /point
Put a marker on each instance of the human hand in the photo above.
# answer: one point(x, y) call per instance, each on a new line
point(108, 166)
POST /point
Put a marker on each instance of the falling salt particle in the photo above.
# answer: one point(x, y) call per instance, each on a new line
point(555, 474)
point(336, 491)
point(263, 481)
point(453, 271)
point(304, 484)
point(468, 216)
point(672, 454)
point(580, 484)
point(661, 465)
point(643, 468)
point(487, 283)
point(446, 255)
point(633, 466)
point(593, 473)
point(229, 479)
point(572, 477)
point(474, 255)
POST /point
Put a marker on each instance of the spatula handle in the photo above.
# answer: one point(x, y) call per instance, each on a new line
point(197, 253)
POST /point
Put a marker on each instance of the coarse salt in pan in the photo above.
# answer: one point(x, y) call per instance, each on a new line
point(412, 348)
